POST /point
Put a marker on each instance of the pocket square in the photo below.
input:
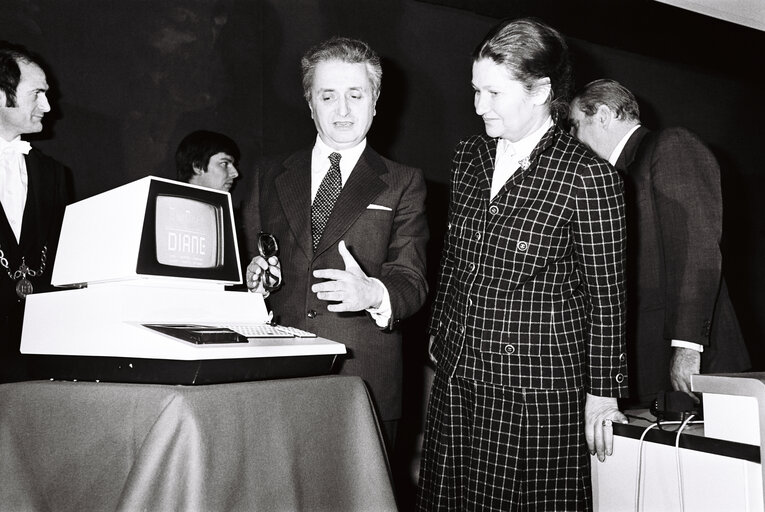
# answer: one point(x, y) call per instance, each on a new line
point(379, 207)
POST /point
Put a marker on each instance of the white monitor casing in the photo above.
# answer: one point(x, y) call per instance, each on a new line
point(101, 236)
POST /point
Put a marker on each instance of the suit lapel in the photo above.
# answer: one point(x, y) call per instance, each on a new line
point(30, 223)
point(293, 187)
point(485, 161)
point(545, 142)
point(7, 239)
point(630, 149)
point(364, 184)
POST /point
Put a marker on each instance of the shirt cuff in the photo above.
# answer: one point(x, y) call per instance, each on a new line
point(688, 344)
point(381, 315)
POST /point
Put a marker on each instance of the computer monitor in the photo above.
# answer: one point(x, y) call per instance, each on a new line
point(150, 228)
point(143, 261)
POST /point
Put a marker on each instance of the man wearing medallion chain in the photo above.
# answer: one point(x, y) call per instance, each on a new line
point(34, 191)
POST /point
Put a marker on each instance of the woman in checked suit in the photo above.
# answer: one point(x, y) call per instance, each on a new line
point(527, 331)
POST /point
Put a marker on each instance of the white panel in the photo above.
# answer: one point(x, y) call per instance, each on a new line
point(732, 418)
point(711, 483)
point(101, 235)
point(749, 13)
point(105, 321)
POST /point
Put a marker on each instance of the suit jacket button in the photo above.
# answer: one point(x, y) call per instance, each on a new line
point(509, 349)
point(622, 357)
point(311, 313)
point(493, 209)
point(619, 378)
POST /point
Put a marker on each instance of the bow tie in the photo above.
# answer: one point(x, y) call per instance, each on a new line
point(16, 146)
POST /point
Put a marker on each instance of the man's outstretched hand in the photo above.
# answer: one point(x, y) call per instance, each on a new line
point(349, 289)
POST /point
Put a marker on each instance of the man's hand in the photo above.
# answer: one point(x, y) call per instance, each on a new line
point(257, 277)
point(349, 289)
point(599, 413)
point(685, 362)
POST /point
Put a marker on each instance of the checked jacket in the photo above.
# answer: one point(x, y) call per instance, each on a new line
point(531, 291)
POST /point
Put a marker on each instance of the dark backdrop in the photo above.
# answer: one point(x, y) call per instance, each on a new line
point(131, 77)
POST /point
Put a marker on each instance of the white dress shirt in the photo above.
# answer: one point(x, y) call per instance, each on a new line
point(13, 181)
point(510, 154)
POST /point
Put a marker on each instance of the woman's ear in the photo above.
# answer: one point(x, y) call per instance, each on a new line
point(541, 91)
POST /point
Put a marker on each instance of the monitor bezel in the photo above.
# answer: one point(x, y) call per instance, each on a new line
point(147, 262)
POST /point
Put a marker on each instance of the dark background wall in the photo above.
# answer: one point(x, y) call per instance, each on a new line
point(131, 77)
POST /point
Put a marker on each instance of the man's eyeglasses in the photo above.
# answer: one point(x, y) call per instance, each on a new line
point(267, 247)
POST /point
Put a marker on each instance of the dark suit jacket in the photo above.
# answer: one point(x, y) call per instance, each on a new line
point(531, 289)
point(389, 242)
point(676, 289)
point(49, 191)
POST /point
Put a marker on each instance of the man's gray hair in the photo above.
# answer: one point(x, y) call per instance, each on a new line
point(342, 49)
point(611, 94)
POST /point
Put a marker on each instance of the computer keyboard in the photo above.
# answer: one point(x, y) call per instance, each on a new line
point(260, 330)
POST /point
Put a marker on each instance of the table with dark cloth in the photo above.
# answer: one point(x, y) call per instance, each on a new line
point(295, 444)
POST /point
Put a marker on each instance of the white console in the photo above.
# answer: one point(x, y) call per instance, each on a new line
point(712, 465)
point(155, 251)
point(107, 321)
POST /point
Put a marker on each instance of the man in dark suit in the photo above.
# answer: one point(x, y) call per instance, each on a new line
point(34, 190)
point(680, 317)
point(350, 224)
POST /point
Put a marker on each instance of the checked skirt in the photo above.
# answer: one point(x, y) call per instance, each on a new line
point(490, 447)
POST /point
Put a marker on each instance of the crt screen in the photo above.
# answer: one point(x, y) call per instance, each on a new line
point(187, 232)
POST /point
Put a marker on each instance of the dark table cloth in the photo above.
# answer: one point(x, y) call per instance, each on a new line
point(285, 445)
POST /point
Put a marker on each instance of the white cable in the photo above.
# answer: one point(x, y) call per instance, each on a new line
point(638, 476)
point(640, 464)
point(677, 459)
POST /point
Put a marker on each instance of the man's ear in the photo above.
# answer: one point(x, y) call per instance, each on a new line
point(604, 116)
point(197, 169)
